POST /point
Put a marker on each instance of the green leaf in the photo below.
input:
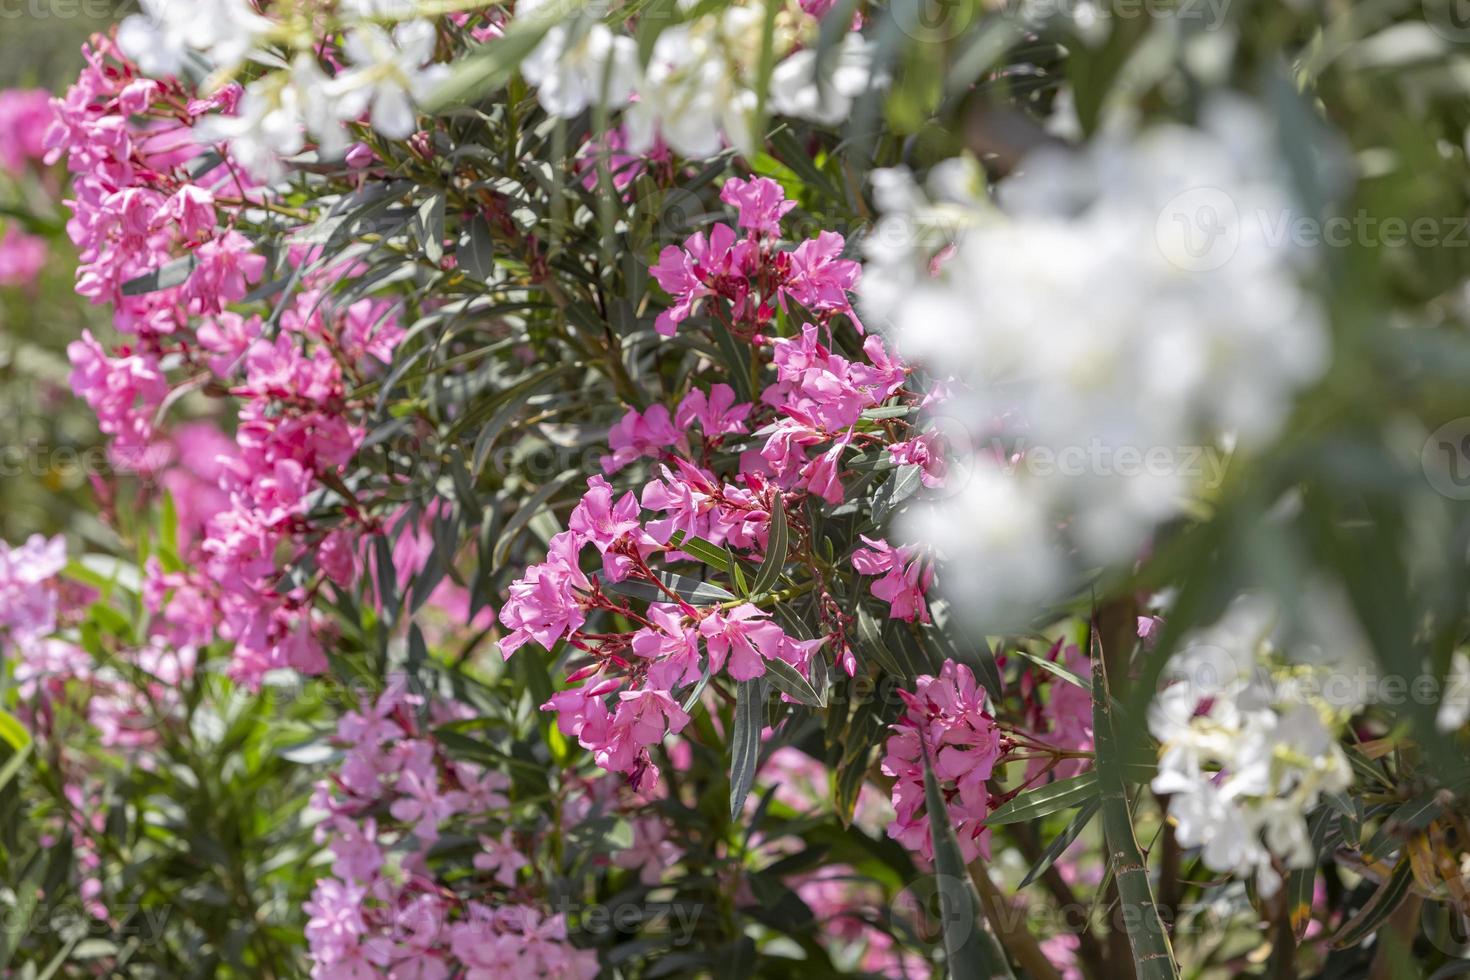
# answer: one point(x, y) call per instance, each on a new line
point(166, 276)
point(1378, 907)
point(13, 732)
point(486, 69)
point(969, 948)
point(1063, 840)
point(745, 739)
point(1152, 950)
point(1043, 800)
point(787, 679)
point(903, 484)
point(686, 588)
point(430, 230)
point(13, 764)
point(476, 253)
point(1301, 883)
point(706, 551)
point(776, 545)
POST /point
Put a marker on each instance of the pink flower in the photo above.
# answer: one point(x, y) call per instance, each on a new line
point(652, 852)
point(673, 648)
point(544, 603)
point(925, 452)
point(651, 433)
point(28, 603)
point(502, 857)
point(745, 636)
point(821, 475)
point(25, 116)
point(716, 413)
point(761, 201)
point(22, 256)
point(190, 211)
point(819, 280)
point(905, 578)
point(603, 522)
point(946, 719)
point(124, 392)
point(720, 265)
point(223, 271)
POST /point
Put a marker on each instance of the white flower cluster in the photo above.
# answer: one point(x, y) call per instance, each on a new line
point(697, 90)
point(1247, 746)
point(1124, 316)
point(388, 72)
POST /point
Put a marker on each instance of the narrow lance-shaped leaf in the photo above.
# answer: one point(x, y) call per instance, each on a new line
point(745, 740)
point(1063, 840)
point(969, 948)
point(776, 544)
point(1043, 800)
point(1152, 952)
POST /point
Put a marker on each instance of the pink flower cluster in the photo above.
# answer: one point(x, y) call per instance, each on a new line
point(947, 720)
point(22, 257)
point(750, 273)
point(28, 600)
point(25, 116)
point(1064, 719)
point(386, 911)
point(57, 681)
point(787, 446)
point(145, 201)
point(150, 200)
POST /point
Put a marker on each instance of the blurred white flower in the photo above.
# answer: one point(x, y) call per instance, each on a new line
point(694, 92)
point(574, 69)
point(1126, 312)
point(1454, 707)
point(389, 75)
point(160, 38)
point(796, 90)
point(269, 124)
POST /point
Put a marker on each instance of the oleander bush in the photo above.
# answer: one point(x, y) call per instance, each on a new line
point(738, 489)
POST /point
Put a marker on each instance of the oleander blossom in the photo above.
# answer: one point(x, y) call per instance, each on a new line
point(1109, 361)
point(149, 200)
point(28, 598)
point(386, 910)
point(1246, 747)
point(793, 442)
point(25, 116)
point(947, 721)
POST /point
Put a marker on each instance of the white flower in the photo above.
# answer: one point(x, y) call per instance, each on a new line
point(1126, 314)
point(268, 125)
point(389, 74)
point(1454, 707)
point(796, 90)
point(161, 37)
point(994, 517)
point(573, 70)
point(1245, 748)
